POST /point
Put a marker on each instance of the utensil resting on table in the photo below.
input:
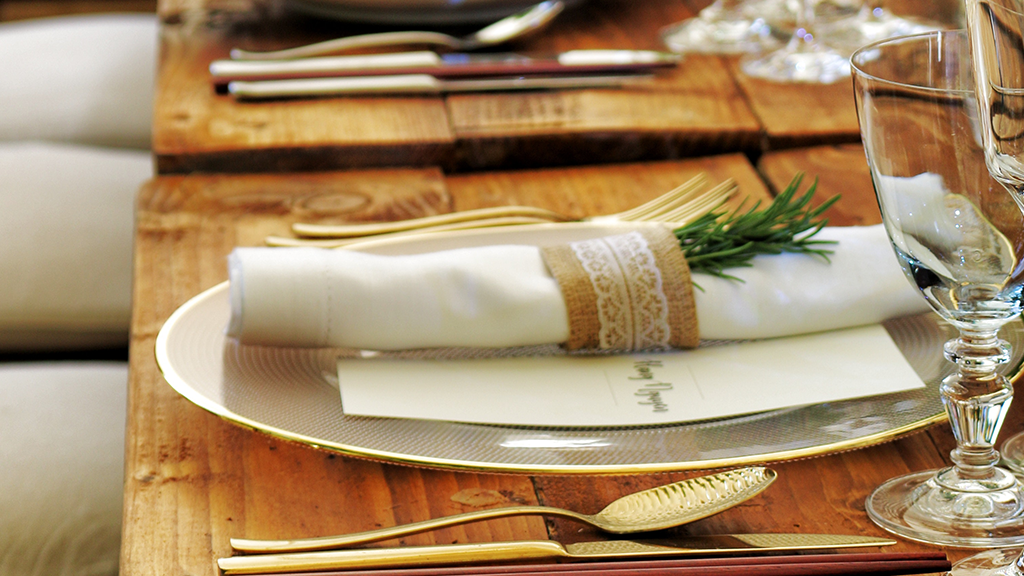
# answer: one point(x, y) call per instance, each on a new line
point(511, 27)
point(654, 509)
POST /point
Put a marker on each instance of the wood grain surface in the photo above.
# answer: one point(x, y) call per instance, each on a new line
point(193, 481)
point(696, 109)
point(706, 106)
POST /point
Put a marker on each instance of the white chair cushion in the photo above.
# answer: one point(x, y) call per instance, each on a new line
point(65, 262)
point(85, 79)
point(62, 453)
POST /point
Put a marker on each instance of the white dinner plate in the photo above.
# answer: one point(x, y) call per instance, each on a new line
point(292, 393)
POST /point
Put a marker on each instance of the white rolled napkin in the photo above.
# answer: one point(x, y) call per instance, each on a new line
point(504, 296)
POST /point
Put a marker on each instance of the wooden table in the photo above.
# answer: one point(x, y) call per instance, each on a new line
point(705, 106)
point(193, 480)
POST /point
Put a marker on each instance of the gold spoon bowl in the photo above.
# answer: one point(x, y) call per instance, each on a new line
point(646, 511)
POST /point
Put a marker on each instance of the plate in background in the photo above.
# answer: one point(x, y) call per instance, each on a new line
point(415, 12)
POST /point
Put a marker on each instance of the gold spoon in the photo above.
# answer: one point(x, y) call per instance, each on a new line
point(511, 27)
point(653, 509)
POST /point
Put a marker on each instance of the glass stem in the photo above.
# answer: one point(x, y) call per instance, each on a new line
point(803, 35)
point(722, 10)
point(976, 400)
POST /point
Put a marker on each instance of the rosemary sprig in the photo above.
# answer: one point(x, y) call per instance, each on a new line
point(713, 244)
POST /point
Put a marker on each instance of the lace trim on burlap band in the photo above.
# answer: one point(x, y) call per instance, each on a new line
point(626, 292)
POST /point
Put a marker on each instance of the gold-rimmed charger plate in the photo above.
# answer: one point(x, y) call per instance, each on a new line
point(291, 393)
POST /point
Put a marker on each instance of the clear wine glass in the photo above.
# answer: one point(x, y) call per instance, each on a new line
point(726, 27)
point(959, 235)
point(995, 28)
point(871, 23)
point(804, 58)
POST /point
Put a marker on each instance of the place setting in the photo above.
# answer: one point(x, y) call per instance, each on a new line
point(230, 348)
point(343, 66)
point(249, 332)
point(783, 43)
point(807, 41)
point(728, 341)
point(650, 510)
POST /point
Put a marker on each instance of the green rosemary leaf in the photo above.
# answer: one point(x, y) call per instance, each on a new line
point(720, 240)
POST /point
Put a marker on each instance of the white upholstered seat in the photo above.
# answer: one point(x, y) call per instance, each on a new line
point(75, 114)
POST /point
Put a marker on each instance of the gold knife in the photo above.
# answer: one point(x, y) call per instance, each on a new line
point(716, 545)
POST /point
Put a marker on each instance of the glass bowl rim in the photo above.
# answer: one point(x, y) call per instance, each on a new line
point(859, 72)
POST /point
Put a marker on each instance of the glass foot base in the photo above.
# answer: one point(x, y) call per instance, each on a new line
point(1012, 452)
point(809, 66)
point(923, 507)
point(850, 35)
point(991, 563)
point(725, 36)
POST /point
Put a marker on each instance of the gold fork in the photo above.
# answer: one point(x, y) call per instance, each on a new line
point(674, 207)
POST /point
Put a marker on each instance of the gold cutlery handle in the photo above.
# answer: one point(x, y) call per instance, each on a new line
point(359, 230)
point(326, 242)
point(351, 43)
point(368, 558)
point(345, 540)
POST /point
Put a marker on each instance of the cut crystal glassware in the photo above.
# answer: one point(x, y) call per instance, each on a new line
point(727, 27)
point(872, 22)
point(959, 236)
point(995, 28)
point(805, 58)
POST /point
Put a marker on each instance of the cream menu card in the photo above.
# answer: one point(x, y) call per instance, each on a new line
point(637, 389)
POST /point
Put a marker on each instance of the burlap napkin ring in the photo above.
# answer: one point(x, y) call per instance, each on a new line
point(626, 292)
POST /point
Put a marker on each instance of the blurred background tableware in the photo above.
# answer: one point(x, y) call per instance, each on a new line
point(512, 27)
point(995, 28)
point(727, 27)
point(998, 562)
point(805, 58)
point(872, 21)
point(426, 13)
point(959, 236)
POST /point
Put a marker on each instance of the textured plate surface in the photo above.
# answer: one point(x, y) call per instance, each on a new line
point(414, 12)
point(292, 393)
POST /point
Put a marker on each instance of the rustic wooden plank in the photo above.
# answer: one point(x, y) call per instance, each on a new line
point(799, 114)
point(196, 129)
point(839, 170)
point(693, 110)
point(29, 9)
point(608, 189)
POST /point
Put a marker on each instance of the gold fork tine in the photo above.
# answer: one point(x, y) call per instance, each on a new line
point(435, 222)
point(334, 242)
point(694, 186)
point(699, 206)
point(676, 207)
point(370, 229)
